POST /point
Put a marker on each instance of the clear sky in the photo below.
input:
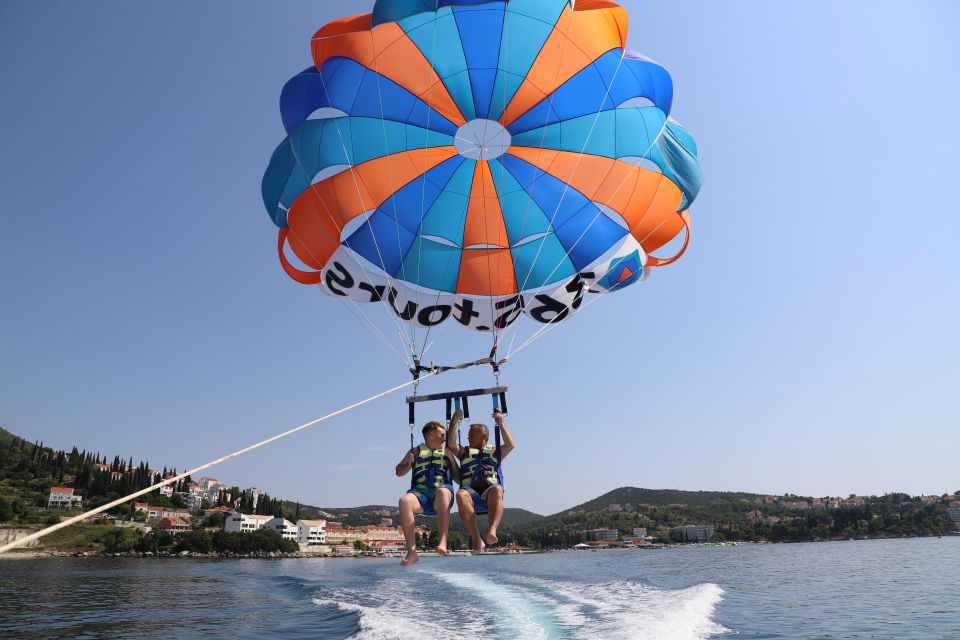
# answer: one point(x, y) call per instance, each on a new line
point(806, 343)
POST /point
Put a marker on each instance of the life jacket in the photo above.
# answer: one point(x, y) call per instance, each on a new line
point(479, 469)
point(431, 470)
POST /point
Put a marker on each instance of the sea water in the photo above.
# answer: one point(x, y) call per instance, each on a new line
point(858, 589)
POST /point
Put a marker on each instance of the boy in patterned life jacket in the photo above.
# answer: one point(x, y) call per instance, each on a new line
point(435, 470)
point(481, 479)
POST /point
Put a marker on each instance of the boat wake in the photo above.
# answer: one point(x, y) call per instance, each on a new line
point(465, 604)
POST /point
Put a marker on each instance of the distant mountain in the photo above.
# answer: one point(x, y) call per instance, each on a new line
point(519, 517)
point(661, 498)
point(372, 514)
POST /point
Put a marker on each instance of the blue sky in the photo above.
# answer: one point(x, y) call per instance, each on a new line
point(806, 342)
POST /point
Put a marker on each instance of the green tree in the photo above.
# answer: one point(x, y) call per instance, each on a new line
point(6, 510)
point(455, 541)
point(121, 539)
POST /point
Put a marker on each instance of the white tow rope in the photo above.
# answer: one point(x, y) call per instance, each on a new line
point(69, 521)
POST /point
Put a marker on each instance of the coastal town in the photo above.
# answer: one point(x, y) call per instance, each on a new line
point(40, 486)
point(329, 536)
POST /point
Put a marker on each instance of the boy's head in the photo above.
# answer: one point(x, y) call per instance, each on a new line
point(433, 434)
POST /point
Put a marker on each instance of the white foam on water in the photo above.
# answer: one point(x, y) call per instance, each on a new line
point(378, 624)
point(512, 612)
point(389, 611)
point(471, 605)
point(626, 610)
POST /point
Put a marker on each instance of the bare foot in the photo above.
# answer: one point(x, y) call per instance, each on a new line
point(441, 549)
point(492, 538)
point(412, 557)
point(478, 548)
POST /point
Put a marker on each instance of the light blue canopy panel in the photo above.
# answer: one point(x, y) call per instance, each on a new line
point(629, 132)
point(319, 144)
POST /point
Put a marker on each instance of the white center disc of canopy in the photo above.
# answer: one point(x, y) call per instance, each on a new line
point(482, 139)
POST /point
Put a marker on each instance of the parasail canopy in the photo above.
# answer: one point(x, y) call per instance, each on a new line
point(471, 162)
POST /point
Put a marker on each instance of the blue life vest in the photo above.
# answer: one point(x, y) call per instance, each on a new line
point(479, 469)
point(431, 470)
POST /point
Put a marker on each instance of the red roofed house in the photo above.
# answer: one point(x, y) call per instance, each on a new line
point(63, 498)
point(173, 525)
point(388, 545)
point(153, 513)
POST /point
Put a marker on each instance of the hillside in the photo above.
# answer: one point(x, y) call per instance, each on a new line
point(372, 514)
point(5, 436)
point(739, 516)
point(28, 470)
point(662, 498)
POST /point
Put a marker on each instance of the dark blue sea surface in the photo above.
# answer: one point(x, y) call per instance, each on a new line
point(858, 589)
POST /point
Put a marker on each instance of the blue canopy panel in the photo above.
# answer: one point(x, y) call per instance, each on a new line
point(581, 228)
point(522, 217)
point(408, 203)
point(432, 265)
point(679, 154)
point(541, 262)
point(610, 81)
point(347, 85)
point(318, 144)
point(447, 216)
point(521, 29)
point(387, 235)
point(480, 28)
point(282, 167)
point(394, 10)
point(437, 37)
point(528, 25)
point(627, 132)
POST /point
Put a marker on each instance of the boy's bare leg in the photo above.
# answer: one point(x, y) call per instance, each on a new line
point(441, 504)
point(409, 505)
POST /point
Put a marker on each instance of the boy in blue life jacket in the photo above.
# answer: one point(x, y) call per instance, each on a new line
point(481, 478)
point(435, 470)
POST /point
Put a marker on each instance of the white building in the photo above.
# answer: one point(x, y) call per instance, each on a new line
point(311, 532)
point(211, 484)
point(602, 534)
point(286, 529)
point(63, 498)
point(241, 522)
